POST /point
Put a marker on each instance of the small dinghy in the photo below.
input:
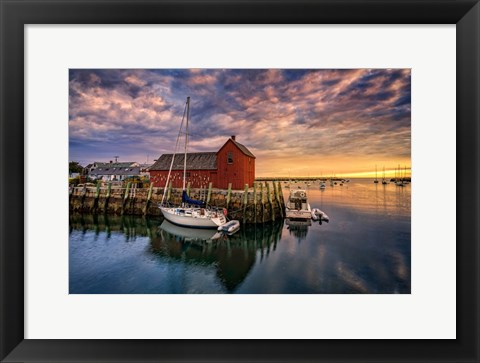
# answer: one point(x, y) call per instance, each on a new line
point(317, 214)
point(230, 227)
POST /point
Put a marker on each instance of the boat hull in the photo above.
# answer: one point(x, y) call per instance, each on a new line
point(192, 221)
point(298, 214)
point(189, 233)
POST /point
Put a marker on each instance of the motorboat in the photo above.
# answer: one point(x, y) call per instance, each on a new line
point(297, 205)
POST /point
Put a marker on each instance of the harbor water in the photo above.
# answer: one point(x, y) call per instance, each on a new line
point(365, 248)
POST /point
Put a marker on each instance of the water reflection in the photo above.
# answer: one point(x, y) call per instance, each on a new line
point(298, 228)
point(365, 248)
point(230, 256)
point(130, 226)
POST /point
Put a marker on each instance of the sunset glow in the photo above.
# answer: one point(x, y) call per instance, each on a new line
point(296, 122)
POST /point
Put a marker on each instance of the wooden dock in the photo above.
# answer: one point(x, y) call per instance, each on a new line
point(263, 202)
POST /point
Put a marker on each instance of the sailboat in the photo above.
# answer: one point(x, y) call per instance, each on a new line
point(399, 181)
point(384, 181)
point(191, 213)
point(405, 180)
point(376, 180)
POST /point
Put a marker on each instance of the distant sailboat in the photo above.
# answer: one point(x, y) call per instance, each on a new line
point(376, 179)
point(405, 180)
point(399, 181)
point(384, 181)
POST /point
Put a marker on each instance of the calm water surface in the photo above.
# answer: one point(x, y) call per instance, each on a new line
point(364, 249)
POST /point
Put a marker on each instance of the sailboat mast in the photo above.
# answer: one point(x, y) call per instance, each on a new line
point(186, 142)
point(173, 157)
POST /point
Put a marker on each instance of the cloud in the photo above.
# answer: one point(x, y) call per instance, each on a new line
point(348, 118)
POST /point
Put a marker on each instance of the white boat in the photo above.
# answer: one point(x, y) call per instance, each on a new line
point(317, 214)
point(298, 223)
point(230, 227)
point(322, 185)
point(297, 205)
point(191, 213)
point(194, 217)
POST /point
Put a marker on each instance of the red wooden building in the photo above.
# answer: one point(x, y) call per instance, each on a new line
point(233, 163)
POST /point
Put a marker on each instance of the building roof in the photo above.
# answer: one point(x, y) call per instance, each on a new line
point(243, 148)
point(123, 164)
point(195, 161)
point(108, 169)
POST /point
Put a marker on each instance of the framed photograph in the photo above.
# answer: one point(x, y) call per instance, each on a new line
point(247, 181)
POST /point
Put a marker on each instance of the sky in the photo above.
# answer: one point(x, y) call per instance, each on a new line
point(297, 122)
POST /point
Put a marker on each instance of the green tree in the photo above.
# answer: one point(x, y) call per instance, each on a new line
point(74, 167)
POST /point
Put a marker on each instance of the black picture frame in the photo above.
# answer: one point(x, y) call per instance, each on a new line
point(15, 14)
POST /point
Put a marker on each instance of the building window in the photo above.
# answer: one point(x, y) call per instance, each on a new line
point(230, 157)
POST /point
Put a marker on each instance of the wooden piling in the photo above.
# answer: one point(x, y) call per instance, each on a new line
point(263, 202)
point(127, 190)
point(95, 201)
point(83, 197)
point(269, 195)
point(280, 196)
point(255, 201)
point(245, 202)
point(169, 191)
point(107, 197)
point(150, 191)
point(229, 194)
point(125, 198)
point(149, 197)
point(209, 192)
point(276, 188)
